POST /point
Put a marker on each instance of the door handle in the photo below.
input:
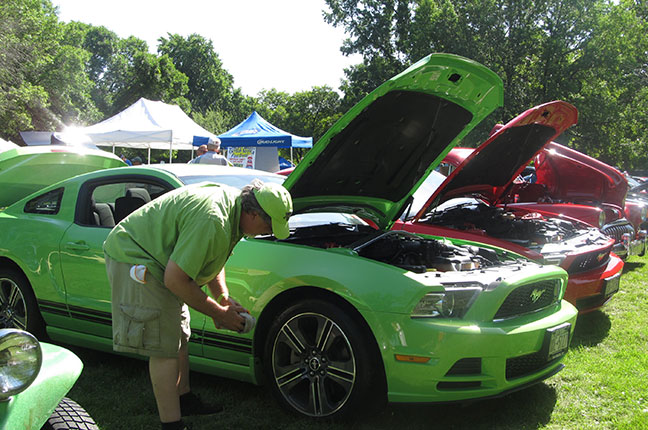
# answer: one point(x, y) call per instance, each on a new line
point(77, 246)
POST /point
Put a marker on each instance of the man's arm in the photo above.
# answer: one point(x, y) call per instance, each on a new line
point(218, 288)
point(180, 284)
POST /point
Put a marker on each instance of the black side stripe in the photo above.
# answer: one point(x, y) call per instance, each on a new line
point(227, 342)
point(53, 307)
point(100, 317)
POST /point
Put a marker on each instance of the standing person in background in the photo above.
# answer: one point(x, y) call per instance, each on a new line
point(212, 156)
point(202, 149)
point(126, 160)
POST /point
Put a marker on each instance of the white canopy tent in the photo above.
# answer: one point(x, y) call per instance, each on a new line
point(144, 124)
point(6, 145)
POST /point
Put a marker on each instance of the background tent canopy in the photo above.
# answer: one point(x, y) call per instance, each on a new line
point(256, 131)
point(147, 124)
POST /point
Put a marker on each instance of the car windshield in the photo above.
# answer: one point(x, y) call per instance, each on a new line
point(237, 181)
point(424, 192)
point(296, 221)
point(312, 219)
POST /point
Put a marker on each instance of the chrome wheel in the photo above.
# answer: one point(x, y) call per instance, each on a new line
point(313, 364)
point(13, 307)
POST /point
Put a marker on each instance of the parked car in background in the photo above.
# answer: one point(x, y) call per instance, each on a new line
point(347, 314)
point(29, 168)
point(569, 176)
point(568, 183)
point(471, 204)
point(35, 378)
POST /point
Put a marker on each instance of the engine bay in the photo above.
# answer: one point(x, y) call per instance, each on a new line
point(399, 248)
point(530, 230)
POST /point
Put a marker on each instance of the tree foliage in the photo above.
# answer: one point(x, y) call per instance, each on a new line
point(591, 53)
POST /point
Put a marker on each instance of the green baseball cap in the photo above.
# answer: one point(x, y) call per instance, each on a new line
point(275, 201)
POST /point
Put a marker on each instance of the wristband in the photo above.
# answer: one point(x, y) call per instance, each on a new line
point(222, 296)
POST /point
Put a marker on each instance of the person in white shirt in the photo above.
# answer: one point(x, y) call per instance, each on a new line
point(212, 156)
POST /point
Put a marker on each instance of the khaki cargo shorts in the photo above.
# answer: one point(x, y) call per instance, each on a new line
point(147, 319)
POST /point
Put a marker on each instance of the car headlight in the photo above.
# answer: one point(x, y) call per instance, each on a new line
point(20, 361)
point(602, 219)
point(452, 303)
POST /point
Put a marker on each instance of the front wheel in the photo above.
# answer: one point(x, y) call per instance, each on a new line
point(69, 415)
point(320, 361)
point(18, 306)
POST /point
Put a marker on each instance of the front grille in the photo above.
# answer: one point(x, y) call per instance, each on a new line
point(589, 261)
point(466, 366)
point(526, 364)
point(616, 231)
point(529, 298)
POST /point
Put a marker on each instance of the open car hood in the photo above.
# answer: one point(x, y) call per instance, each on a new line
point(572, 176)
point(25, 170)
point(488, 171)
point(372, 160)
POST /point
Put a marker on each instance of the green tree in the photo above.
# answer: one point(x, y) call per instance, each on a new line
point(210, 85)
point(587, 52)
point(42, 85)
point(154, 78)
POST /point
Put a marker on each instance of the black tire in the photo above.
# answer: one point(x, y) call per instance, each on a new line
point(70, 415)
point(18, 305)
point(320, 362)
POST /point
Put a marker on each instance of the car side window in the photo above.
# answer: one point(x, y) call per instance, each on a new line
point(48, 203)
point(112, 202)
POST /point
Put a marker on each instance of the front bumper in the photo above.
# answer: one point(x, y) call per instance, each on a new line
point(590, 290)
point(469, 360)
point(637, 246)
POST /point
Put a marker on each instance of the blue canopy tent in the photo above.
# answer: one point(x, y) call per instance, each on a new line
point(255, 132)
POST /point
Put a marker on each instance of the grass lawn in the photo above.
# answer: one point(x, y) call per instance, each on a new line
point(603, 386)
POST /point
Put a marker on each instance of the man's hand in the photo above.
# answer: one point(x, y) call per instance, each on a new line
point(229, 318)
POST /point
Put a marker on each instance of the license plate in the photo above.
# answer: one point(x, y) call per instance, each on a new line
point(611, 286)
point(557, 339)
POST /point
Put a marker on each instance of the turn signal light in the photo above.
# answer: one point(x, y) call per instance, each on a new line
point(411, 358)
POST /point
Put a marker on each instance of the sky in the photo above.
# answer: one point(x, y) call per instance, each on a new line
point(263, 44)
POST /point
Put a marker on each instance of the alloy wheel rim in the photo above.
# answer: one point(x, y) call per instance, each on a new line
point(313, 364)
point(13, 308)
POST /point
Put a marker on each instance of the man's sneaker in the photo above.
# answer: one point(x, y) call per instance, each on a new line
point(190, 404)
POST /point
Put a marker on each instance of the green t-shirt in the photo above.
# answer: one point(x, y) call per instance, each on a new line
point(195, 226)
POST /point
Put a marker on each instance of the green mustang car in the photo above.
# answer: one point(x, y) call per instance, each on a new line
point(348, 312)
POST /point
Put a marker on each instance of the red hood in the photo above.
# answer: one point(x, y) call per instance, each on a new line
point(491, 168)
point(572, 176)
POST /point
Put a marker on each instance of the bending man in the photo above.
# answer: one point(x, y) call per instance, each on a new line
point(158, 258)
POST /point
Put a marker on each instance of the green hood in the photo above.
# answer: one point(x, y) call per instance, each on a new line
point(374, 158)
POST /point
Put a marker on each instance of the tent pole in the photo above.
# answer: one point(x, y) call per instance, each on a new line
point(291, 156)
point(171, 148)
point(149, 153)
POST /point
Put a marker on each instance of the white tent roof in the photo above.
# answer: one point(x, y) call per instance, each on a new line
point(146, 124)
point(6, 145)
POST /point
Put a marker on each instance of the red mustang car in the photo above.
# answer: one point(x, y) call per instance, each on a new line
point(568, 176)
point(472, 203)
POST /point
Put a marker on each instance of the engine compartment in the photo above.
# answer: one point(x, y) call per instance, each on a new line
point(529, 230)
point(399, 248)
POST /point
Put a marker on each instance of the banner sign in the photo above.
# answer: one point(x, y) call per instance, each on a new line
point(242, 156)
